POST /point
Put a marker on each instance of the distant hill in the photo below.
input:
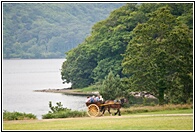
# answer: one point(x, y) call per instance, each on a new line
point(48, 30)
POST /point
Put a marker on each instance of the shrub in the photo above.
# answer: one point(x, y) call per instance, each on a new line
point(64, 114)
point(60, 112)
point(17, 116)
point(57, 108)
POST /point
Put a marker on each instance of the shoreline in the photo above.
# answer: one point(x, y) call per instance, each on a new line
point(67, 91)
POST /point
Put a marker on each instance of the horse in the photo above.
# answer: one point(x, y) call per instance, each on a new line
point(113, 104)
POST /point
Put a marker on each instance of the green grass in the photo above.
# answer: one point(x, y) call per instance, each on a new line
point(157, 108)
point(183, 111)
point(88, 89)
point(143, 121)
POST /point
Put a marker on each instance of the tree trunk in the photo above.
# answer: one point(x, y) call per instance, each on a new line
point(161, 96)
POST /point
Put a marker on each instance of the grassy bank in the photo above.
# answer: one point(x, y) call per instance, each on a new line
point(161, 120)
point(157, 108)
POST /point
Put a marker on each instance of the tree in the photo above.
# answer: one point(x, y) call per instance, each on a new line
point(78, 66)
point(112, 87)
point(141, 32)
point(105, 66)
point(181, 64)
point(149, 57)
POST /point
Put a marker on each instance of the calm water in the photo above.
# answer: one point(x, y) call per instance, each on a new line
point(21, 77)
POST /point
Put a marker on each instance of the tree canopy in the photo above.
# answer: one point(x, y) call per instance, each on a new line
point(158, 53)
point(148, 45)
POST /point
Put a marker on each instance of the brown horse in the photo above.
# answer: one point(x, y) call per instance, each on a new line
point(113, 104)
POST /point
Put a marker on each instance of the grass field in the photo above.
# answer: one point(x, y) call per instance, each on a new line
point(167, 120)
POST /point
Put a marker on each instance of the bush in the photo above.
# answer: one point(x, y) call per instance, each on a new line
point(17, 116)
point(64, 114)
point(57, 108)
point(60, 112)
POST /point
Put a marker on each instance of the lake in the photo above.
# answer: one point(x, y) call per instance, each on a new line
point(22, 77)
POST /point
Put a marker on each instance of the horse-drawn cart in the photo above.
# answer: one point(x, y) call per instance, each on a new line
point(94, 109)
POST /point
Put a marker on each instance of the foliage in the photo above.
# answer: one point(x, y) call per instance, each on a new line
point(101, 52)
point(157, 56)
point(64, 114)
point(60, 112)
point(57, 108)
point(112, 87)
point(17, 116)
point(48, 30)
point(150, 47)
point(78, 67)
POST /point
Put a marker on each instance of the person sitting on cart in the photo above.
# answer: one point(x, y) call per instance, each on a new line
point(99, 98)
point(94, 99)
point(90, 99)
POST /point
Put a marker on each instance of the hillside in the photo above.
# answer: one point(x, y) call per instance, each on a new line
point(48, 30)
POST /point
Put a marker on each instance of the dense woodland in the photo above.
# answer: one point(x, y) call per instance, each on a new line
point(139, 47)
point(48, 30)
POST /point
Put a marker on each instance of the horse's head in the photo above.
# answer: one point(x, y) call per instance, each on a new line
point(123, 100)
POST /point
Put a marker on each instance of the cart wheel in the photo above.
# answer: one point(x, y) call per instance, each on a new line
point(93, 110)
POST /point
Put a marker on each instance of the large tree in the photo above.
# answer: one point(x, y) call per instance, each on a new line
point(159, 56)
